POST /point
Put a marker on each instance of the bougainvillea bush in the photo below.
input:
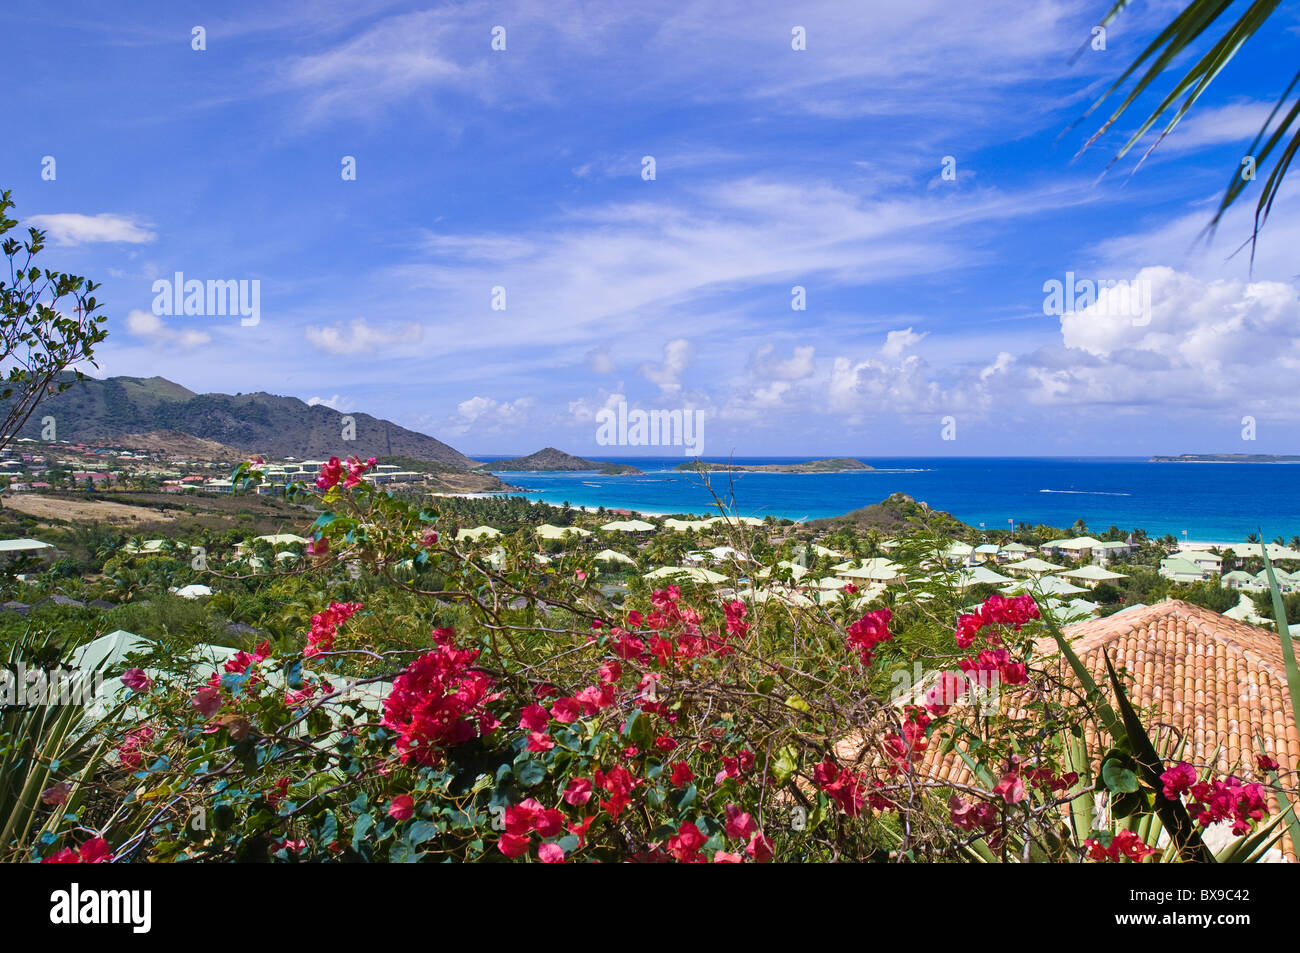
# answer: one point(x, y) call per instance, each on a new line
point(536, 720)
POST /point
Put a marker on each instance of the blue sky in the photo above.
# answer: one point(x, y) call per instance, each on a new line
point(522, 168)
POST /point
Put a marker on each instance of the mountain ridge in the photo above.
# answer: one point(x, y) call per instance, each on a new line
point(273, 425)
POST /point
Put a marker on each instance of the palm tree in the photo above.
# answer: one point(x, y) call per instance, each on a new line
point(1195, 21)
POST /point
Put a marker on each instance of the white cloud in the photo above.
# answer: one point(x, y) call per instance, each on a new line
point(584, 409)
point(71, 228)
point(667, 375)
point(798, 366)
point(146, 324)
point(484, 415)
point(360, 337)
point(337, 402)
point(896, 342)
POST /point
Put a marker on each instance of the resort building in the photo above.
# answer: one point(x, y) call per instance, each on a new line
point(1178, 569)
point(13, 549)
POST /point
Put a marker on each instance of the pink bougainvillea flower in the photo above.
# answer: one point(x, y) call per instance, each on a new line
point(577, 792)
point(759, 848)
point(330, 474)
point(610, 672)
point(566, 710)
point(429, 538)
point(681, 775)
point(402, 808)
point(686, 843)
point(513, 845)
point(635, 620)
point(841, 785)
point(540, 742)
point(93, 851)
point(550, 854)
point(318, 546)
point(1178, 779)
point(1011, 788)
point(56, 794)
point(579, 829)
point(522, 817)
point(580, 575)
point(722, 857)
point(136, 680)
point(549, 822)
point(325, 624)
point(437, 701)
point(534, 718)
point(1266, 763)
point(868, 632)
point(129, 750)
point(740, 825)
point(206, 701)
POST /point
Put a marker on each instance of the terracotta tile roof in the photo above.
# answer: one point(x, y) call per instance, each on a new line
point(1193, 674)
point(1220, 683)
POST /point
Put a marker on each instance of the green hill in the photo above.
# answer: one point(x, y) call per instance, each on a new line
point(278, 427)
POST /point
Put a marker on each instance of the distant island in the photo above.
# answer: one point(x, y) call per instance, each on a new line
point(549, 459)
point(1228, 458)
point(830, 465)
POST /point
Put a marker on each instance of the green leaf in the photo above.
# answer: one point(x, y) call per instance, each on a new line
point(1172, 813)
point(365, 823)
point(1119, 779)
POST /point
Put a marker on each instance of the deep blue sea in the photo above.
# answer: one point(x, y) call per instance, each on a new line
point(1210, 501)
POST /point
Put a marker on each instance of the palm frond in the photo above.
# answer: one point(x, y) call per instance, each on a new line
point(1179, 37)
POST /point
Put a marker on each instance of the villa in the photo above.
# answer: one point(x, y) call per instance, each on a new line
point(1178, 569)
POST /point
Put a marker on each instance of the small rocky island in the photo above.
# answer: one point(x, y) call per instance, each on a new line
point(1228, 458)
point(550, 460)
point(829, 465)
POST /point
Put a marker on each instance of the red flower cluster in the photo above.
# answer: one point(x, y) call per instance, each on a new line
point(906, 749)
point(972, 815)
point(841, 785)
point(332, 472)
point(93, 851)
point(522, 820)
point(325, 624)
point(997, 610)
point(1178, 779)
point(998, 661)
point(129, 750)
point(1229, 800)
point(619, 783)
point(437, 701)
point(242, 660)
point(686, 843)
point(736, 612)
point(1213, 801)
point(868, 632)
point(1123, 844)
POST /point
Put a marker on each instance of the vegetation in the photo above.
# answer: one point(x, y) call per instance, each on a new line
point(1205, 20)
point(390, 692)
point(48, 323)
